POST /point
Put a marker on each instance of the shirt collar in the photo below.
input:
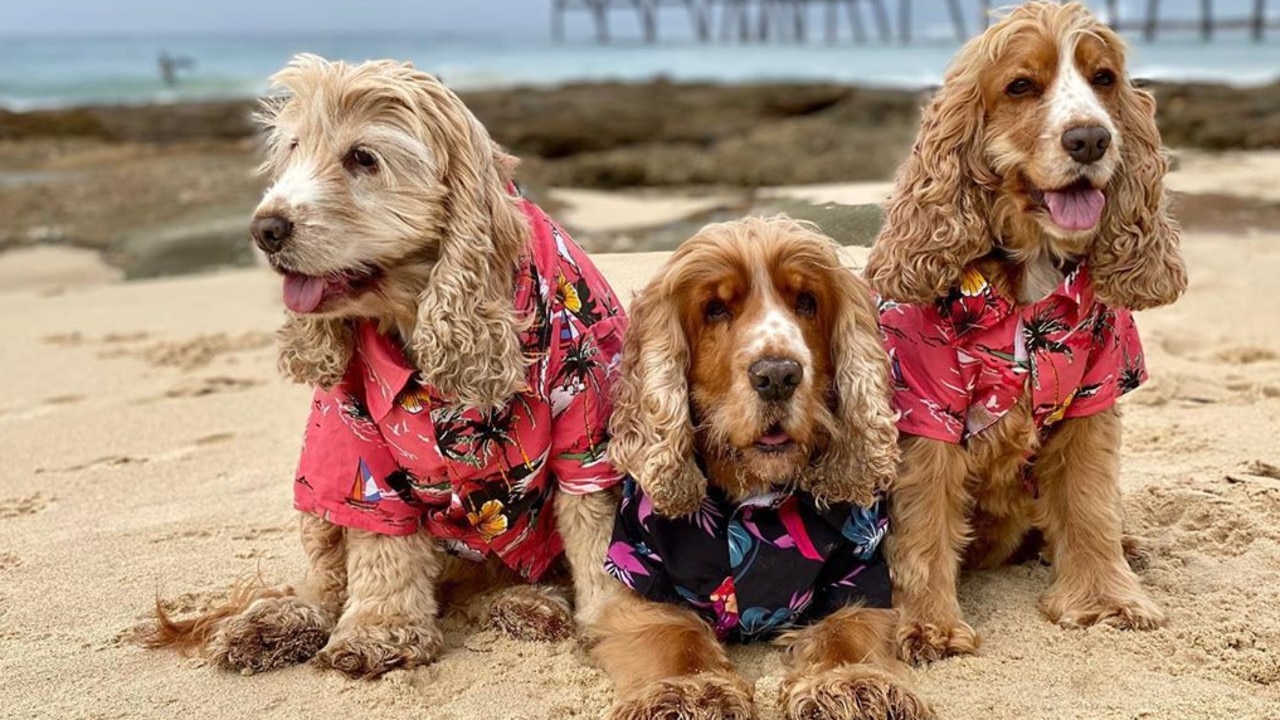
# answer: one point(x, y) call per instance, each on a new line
point(976, 305)
point(386, 370)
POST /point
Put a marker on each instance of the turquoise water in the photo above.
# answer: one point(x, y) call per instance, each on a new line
point(45, 72)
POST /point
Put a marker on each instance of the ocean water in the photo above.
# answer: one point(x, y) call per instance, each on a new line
point(64, 71)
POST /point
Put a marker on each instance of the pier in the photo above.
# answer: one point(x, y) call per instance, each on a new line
point(858, 21)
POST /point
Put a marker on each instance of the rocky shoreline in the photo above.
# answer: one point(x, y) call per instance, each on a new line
point(165, 188)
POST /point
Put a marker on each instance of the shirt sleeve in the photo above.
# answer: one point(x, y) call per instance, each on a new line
point(347, 474)
point(926, 372)
point(580, 382)
point(1117, 364)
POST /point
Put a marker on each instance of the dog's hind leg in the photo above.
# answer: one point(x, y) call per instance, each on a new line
point(540, 612)
point(845, 667)
point(263, 628)
point(390, 616)
point(273, 632)
point(1079, 474)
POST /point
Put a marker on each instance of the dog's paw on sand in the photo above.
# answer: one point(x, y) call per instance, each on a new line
point(532, 612)
point(271, 633)
point(18, 506)
point(1070, 608)
point(699, 697)
point(922, 642)
point(853, 692)
point(371, 650)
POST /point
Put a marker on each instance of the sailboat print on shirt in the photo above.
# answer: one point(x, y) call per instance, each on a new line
point(365, 492)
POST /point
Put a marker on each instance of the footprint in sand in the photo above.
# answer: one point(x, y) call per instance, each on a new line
point(200, 387)
point(1223, 518)
point(76, 338)
point(46, 406)
point(263, 531)
point(189, 534)
point(17, 507)
point(9, 561)
point(1243, 355)
point(216, 438)
point(187, 355)
point(200, 351)
point(105, 461)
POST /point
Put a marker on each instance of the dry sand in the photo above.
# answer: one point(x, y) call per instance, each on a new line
point(147, 448)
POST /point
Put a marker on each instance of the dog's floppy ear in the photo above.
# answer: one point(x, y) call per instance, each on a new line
point(1136, 259)
point(936, 221)
point(651, 427)
point(466, 342)
point(863, 455)
point(314, 351)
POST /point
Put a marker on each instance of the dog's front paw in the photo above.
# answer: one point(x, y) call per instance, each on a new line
point(922, 642)
point(531, 612)
point(1129, 611)
point(271, 633)
point(852, 692)
point(698, 697)
point(368, 651)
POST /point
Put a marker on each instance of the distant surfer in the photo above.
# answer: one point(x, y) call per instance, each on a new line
point(169, 67)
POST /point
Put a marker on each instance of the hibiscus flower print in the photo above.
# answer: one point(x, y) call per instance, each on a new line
point(972, 283)
point(490, 522)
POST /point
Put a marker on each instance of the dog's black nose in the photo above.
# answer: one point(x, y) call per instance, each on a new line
point(1086, 144)
point(270, 232)
point(775, 378)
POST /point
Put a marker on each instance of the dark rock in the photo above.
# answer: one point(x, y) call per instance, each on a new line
point(184, 248)
point(846, 224)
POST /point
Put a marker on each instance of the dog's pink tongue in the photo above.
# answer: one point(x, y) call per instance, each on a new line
point(774, 439)
point(1079, 209)
point(303, 294)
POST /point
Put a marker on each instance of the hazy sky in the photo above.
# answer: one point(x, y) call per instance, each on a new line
point(520, 18)
point(431, 18)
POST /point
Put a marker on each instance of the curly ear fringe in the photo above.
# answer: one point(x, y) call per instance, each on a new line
point(863, 457)
point(1136, 262)
point(466, 341)
point(651, 428)
point(314, 351)
point(936, 221)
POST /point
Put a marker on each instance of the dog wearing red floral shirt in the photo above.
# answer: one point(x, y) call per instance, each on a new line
point(461, 346)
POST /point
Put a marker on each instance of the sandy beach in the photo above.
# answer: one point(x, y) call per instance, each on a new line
point(148, 444)
point(148, 447)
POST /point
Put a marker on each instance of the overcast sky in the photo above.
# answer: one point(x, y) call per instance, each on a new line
point(508, 18)
point(430, 18)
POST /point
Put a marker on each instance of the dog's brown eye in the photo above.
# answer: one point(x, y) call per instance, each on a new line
point(806, 304)
point(293, 144)
point(362, 159)
point(1020, 87)
point(1104, 78)
point(716, 311)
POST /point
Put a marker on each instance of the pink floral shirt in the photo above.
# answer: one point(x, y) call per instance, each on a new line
point(385, 454)
point(961, 364)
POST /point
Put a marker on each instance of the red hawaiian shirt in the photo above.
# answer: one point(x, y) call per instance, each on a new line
point(385, 454)
point(961, 364)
